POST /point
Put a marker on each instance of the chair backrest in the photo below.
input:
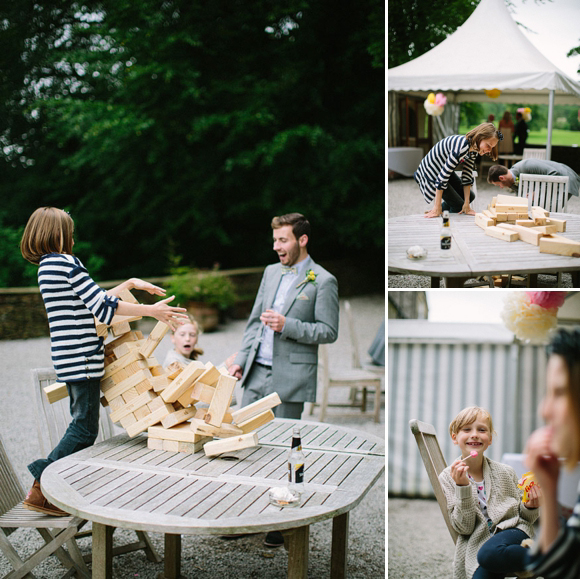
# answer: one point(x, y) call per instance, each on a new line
point(323, 370)
point(11, 492)
point(506, 145)
point(546, 191)
point(474, 174)
point(434, 461)
point(356, 363)
point(52, 420)
point(534, 154)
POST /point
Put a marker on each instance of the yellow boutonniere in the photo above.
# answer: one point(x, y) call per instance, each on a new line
point(310, 277)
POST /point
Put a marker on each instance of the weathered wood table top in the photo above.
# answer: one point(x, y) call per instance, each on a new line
point(473, 253)
point(123, 483)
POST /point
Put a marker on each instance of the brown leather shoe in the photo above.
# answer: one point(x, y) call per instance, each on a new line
point(36, 501)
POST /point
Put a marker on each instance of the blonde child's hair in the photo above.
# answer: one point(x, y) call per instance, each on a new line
point(195, 352)
point(467, 416)
point(483, 131)
point(49, 230)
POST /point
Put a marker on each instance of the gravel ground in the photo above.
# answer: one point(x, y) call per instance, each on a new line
point(204, 557)
point(420, 545)
point(404, 198)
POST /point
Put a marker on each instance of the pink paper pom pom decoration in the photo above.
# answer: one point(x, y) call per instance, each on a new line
point(532, 316)
point(547, 300)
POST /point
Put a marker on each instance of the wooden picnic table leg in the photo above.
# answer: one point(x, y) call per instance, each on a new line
point(575, 278)
point(172, 558)
point(102, 551)
point(297, 542)
point(435, 282)
point(455, 281)
point(532, 280)
point(338, 554)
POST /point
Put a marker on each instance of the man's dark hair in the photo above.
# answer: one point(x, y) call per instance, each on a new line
point(494, 172)
point(300, 225)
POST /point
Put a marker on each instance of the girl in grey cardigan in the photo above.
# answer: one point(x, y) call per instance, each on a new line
point(484, 504)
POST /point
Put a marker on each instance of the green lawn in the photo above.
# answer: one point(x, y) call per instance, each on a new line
point(559, 136)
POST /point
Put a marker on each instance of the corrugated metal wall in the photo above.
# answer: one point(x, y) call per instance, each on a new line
point(433, 382)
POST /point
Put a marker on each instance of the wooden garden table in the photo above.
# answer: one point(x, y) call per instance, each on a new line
point(473, 253)
point(122, 483)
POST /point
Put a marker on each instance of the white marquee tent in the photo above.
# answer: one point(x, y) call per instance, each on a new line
point(488, 51)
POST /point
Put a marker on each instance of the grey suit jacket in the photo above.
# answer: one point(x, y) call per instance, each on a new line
point(541, 167)
point(311, 313)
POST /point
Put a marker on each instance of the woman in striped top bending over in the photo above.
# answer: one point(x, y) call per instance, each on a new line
point(556, 555)
point(73, 301)
point(436, 173)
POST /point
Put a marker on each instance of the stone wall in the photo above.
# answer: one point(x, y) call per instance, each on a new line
point(22, 313)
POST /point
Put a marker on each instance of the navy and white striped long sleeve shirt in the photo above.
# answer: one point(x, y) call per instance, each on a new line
point(71, 299)
point(562, 561)
point(440, 162)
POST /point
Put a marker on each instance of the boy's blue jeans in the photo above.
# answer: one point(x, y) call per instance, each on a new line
point(501, 555)
point(84, 428)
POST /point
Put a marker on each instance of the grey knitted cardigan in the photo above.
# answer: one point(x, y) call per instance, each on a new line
point(504, 507)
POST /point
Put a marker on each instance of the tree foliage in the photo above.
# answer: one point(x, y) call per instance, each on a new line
point(179, 127)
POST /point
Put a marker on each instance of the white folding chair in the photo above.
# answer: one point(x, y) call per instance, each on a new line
point(534, 153)
point(546, 191)
point(55, 531)
point(52, 420)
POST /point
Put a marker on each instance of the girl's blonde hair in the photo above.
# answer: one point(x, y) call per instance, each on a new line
point(469, 415)
point(49, 230)
point(195, 352)
point(483, 131)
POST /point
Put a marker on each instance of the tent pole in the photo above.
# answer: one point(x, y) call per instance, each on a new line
point(550, 121)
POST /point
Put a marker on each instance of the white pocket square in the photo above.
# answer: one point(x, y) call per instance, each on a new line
point(302, 297)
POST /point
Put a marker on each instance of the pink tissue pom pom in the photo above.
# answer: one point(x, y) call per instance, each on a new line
point(547, 300)
point(440, 99)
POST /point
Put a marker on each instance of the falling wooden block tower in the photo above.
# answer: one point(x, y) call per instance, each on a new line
point(143, 396)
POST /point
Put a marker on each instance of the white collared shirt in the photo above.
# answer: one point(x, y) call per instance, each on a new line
point(288, 281)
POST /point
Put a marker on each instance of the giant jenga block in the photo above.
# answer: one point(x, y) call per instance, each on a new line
point(131, 336)
point(231, 444)
point(137, 402)
point(55, 392)
point(499, 233)
point(221, 400)
point(256, 421)
point(140, 378)
point(174, 370)
point(527, 234)
point(179, 416)
point(183, 382)
point(154, 339)
point(483, 221)
point(559, 223)
point(257, 407)
point(223, 431)
point(150, 420)
point(559, 245)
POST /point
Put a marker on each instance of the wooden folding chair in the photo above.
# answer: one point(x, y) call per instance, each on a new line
point(350, 378)
point(434, 461)
point(56, 531)
point(52, 420)
point(356, 359)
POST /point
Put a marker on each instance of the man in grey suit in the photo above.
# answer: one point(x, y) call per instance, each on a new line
point(500, 176)
point(295, 310)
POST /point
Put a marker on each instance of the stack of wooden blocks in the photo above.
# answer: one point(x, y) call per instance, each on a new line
point(507, 218)
point(144, 396)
